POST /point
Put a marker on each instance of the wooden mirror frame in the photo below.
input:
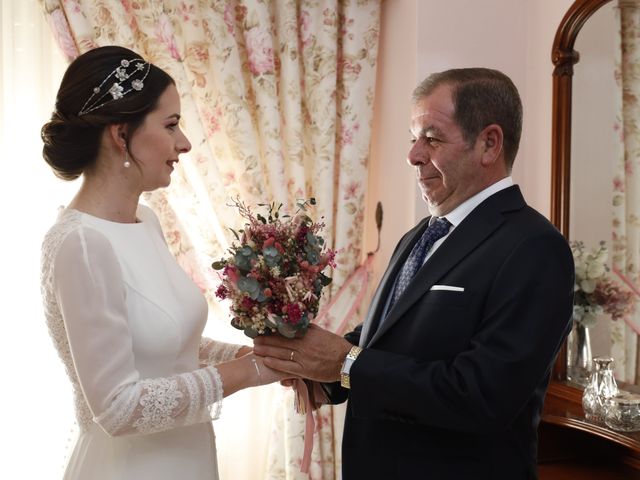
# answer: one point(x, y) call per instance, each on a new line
point(568, 442)
point(564, 57)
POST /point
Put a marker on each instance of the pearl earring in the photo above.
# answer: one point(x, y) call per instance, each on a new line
point(126, 163)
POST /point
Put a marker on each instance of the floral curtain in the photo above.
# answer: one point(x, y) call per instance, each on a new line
point(277, 100)
point(626, 189)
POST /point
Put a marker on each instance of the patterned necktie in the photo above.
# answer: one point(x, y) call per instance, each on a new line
point(438, 229)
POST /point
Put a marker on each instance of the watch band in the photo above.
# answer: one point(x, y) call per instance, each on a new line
point(345, 379)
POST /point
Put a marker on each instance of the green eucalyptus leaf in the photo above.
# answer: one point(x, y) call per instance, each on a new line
point(272, 321)
point(312, 254)
point(271, 256)
point(251, 286)
point(236, 324)
point(286, 330)
point(251, 332)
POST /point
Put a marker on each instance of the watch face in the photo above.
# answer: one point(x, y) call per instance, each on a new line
point(346, 366)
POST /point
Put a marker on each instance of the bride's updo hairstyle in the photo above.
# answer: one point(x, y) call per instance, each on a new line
point(104, 86)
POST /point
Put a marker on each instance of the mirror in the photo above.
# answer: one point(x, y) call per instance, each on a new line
point(593, 145)
point(564, 57)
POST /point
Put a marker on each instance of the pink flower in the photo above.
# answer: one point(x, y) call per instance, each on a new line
point(60, 29)
point(222, 292)
point(229, 178)
point(186, 11)
point(348, 67)
point(294, 312)
point(231, 273)
point(304, 21)
point(126, 4)
point(628, 167)
point(618, 184)
point(211, 118)
point(347, 133)
point(73, 6)
point(173, 237)
point(615, 300)
point(164, 33)
point(248, 303)
point(351, 191)
point(229, 17)
point(259, 51)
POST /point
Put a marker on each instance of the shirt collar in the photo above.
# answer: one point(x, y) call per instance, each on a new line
point(458, 214)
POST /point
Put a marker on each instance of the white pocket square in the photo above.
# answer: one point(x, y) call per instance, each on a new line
point(449, 288)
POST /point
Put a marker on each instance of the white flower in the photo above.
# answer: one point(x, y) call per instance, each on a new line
point(587, 285)
point(578, 312)
point(116, 91)
point(137, 84)
point(121, 74)
point(589, 320)
point(596, 270)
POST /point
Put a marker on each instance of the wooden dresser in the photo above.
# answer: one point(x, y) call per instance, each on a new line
point(573, 448)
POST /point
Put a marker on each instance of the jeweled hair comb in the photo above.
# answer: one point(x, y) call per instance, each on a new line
point(135, 67)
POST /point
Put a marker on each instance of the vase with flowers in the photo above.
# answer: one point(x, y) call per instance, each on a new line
point(595, 294)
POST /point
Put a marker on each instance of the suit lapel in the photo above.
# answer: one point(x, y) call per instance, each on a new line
point(471, 232)
point(379, 299)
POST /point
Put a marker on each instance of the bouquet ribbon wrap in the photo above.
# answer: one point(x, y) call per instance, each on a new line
point(310, 395)
point(305, 405)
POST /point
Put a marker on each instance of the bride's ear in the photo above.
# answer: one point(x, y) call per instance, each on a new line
point(117, 135)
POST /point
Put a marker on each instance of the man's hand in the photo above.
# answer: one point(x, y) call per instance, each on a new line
point(317, 356)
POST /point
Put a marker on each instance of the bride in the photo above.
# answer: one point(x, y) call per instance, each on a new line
point(125, 319)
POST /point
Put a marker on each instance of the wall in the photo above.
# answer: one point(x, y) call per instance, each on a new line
point(423, 36)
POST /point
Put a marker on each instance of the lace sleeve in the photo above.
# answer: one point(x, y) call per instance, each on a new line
point(89, 290)
point(213, 352)
point(153, 405)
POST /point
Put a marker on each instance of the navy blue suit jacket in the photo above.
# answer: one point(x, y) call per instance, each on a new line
point(452, 385)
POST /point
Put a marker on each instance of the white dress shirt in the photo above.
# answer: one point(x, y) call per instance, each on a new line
point(458, 214)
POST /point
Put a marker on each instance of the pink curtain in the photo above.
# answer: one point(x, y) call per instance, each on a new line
point(277, 100)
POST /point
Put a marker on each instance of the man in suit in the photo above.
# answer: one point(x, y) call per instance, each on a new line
point(446, 377)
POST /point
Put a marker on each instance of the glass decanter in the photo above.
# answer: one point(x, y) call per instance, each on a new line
point(601, 387)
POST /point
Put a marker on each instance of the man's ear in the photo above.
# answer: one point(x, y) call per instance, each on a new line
point(491, 142)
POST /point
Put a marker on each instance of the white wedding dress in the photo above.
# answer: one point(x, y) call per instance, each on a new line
point(127, 323)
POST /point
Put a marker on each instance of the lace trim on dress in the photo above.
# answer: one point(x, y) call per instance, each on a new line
point(194, 405)
point(158, 403)
point(164, 403)
point(213, 352)
point(68, 221)
point(218, 392)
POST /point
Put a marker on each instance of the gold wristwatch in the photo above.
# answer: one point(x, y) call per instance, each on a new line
point(345, 380)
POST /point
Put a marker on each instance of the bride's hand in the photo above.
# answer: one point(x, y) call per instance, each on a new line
point(263, 374)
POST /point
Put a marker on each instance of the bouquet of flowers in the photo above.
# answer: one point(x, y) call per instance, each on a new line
point(595, 292)
point(274, 272)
